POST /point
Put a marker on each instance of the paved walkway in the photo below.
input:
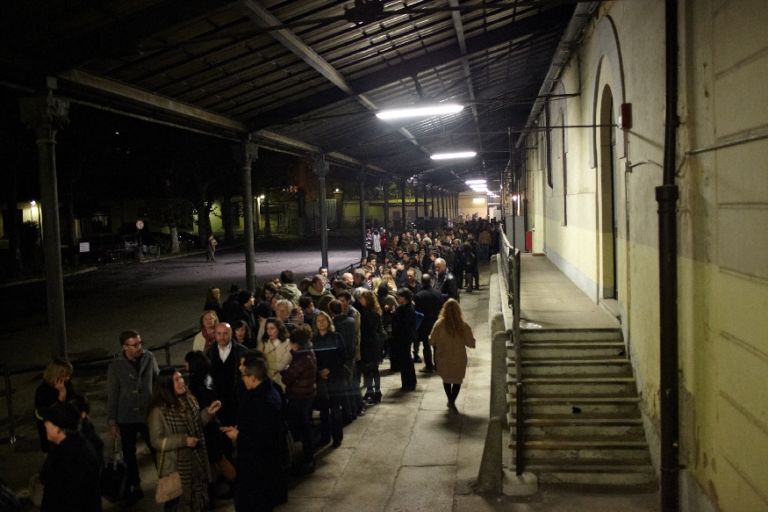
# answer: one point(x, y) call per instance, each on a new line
point(551, 301)
point(410, 453)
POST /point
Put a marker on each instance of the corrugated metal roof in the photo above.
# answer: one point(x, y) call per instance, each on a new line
point(301, 69)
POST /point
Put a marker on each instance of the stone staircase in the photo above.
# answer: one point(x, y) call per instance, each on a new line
point(582, 418)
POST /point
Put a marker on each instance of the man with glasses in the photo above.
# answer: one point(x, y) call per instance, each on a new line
point(130, 379)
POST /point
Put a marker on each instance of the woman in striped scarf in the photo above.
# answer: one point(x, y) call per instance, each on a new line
point(176, 430)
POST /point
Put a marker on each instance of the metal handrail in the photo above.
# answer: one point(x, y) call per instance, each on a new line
point(512, 275)
point(9, 372)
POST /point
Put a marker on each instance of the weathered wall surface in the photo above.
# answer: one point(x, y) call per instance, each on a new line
point(601, 203)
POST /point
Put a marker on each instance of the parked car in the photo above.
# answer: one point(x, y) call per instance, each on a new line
point(103, 248)
point(188, 241)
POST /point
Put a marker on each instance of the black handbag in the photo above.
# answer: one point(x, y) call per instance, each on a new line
point(114, 477)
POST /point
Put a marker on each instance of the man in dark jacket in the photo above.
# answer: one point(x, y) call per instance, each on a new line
point(445, 282)
point(130, 379)
point(259, 436)
point(428, 302)
point(71, 468)
point(403, 336)
point(225, 361)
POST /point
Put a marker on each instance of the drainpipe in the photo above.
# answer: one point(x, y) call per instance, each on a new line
point(666, 196)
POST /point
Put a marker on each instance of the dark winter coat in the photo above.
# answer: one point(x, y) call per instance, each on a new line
point(46, 396)
point(429, 302)
point(329, 351)
point(262, 485)
point(128, 392)
point(68, 475)
point(226, 378)
point(300, 377)
point(403, 334)
point(370, 336)
point(447, 285)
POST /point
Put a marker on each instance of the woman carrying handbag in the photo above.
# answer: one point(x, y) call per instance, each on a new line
point(176, 430)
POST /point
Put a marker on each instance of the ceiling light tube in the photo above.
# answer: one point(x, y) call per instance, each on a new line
point(475, 182)
point(450, 156)
point(432, 110)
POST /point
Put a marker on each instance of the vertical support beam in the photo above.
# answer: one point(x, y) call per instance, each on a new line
point(46, 115)
point(385, 187)
point(443, 215)
point(667, 195)
point(416, 200)
point(361, 180)
point(402, 203)
point(320, 167)
point(245, 154)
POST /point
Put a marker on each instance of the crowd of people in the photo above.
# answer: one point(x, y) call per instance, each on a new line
point(260, 366)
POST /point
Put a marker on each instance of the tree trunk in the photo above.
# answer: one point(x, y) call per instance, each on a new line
point(227, 218)
point(71, 233)
point(267, 223)
point(175, 247)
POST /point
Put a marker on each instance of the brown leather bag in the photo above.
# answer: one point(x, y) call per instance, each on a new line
point(168, 486)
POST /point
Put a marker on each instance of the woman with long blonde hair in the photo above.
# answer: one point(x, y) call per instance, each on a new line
point(450, 336)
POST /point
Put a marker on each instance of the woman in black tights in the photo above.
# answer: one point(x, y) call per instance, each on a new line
point(450, 337)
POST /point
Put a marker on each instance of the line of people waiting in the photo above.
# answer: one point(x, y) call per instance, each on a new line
point(304, 347)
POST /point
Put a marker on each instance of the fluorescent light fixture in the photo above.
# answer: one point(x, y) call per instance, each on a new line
point(450, 156)
point(426, 111)
point(475, 182)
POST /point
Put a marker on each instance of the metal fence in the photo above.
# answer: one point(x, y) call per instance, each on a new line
point(9, 372)
point(511, 269)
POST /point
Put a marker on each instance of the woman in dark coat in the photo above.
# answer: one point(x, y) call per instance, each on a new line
point(56, 387)
point(403, 336)
point(371, 337)
point(331, 378)
point(300, 379)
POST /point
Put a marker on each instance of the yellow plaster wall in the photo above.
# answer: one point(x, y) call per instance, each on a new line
point(722, 219)
point(467, 207)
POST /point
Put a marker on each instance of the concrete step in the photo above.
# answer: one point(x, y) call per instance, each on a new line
point(582, 419)
point(569, 349)
point(588, 475)
point(582, 385)
point(617, 366)
point(634, 452)
point(548, 431)
point(588, 405)
point(571, 426)
point(576, 335)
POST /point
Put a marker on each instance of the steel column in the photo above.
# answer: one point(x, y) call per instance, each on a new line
point(385, 187)
point(320, 167)
point(246, 153)
point(361, 180)
point(46, 115)
point(402, 203)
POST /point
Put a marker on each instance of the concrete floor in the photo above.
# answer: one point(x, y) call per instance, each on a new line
point(408, 453)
